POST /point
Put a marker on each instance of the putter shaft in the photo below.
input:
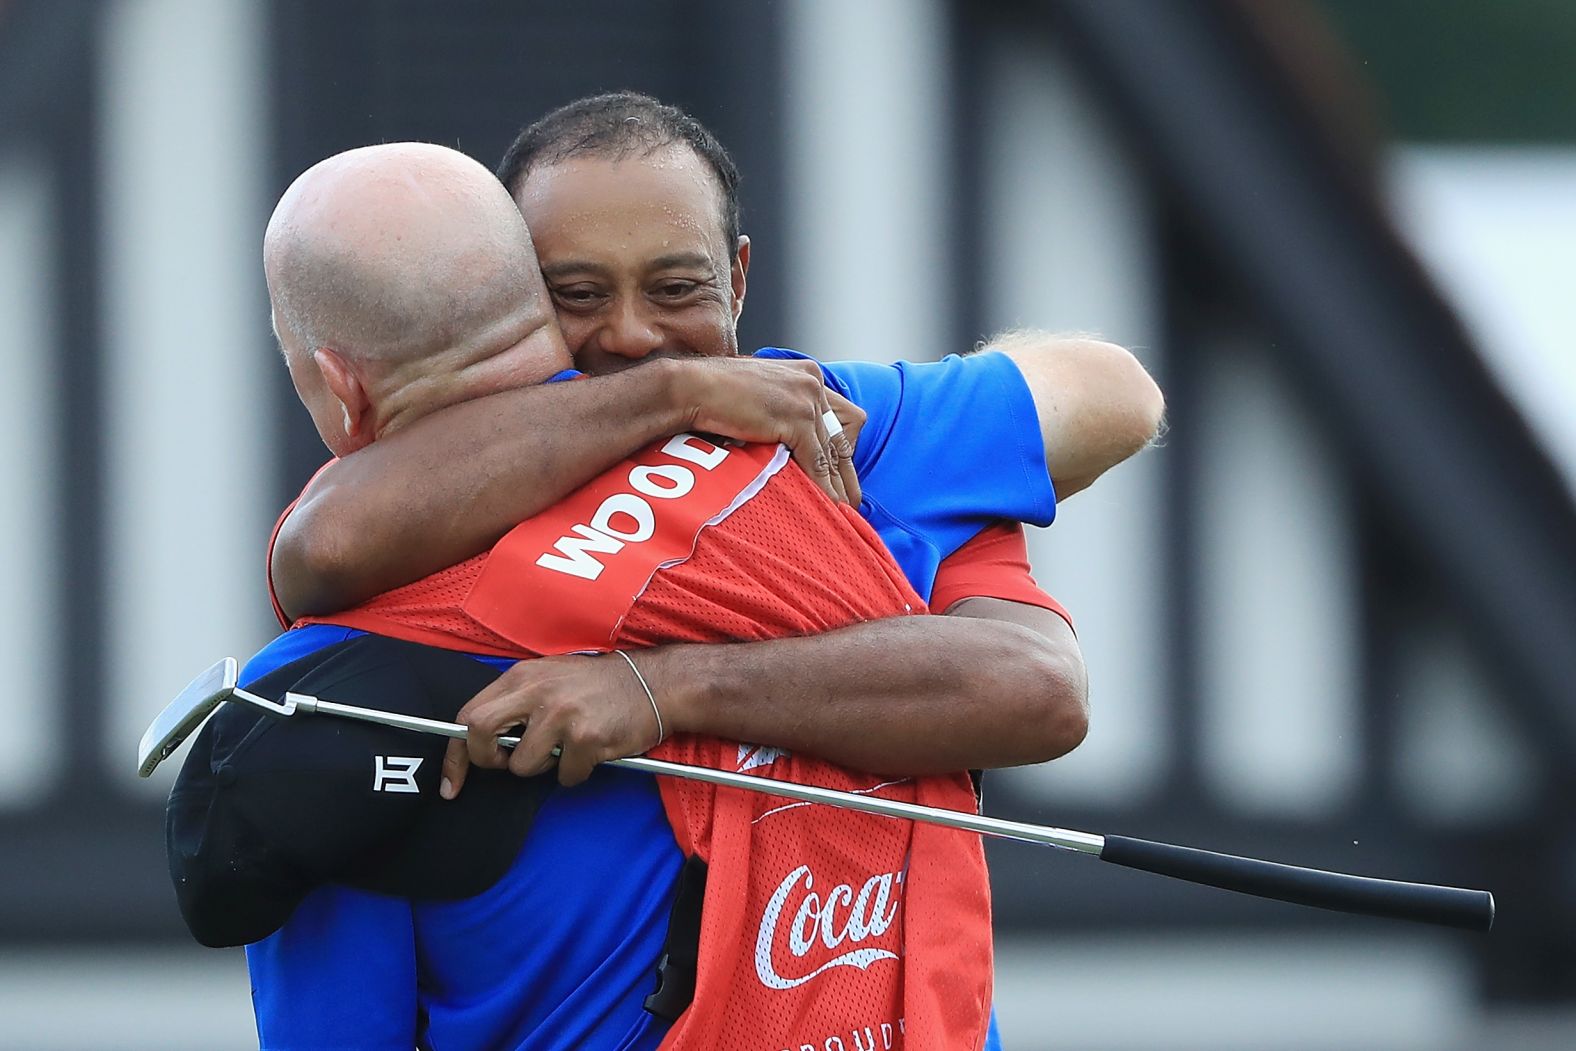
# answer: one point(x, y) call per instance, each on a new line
point(1447, 906)
point(990, 826)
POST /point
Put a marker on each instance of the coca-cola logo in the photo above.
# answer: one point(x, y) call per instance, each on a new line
point(842, 918)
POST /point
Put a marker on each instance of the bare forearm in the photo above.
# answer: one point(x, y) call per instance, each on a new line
point(906, 696)
point(452, 483)
point(1097, 405)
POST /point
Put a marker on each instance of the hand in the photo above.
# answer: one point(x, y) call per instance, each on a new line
point(760, 400)
point(591, 708)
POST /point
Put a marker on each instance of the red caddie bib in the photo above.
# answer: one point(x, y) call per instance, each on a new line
point(822, 929)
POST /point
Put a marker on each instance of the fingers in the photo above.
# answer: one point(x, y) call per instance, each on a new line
point(575, 765)
point(779, 401)
point(506, 702)
point(850, 418)
point(835, 454)
point(805, 395)
point(481, 738)
point(456, 763)
point(534, 754)
point(850, 415)
point(808, 444)
point(485, 724)
point(828, 458)
point(574, 711)
point(843, 451)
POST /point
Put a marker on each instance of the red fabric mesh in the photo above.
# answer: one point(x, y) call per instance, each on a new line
point(787, 562)
point(428, 611)
point(848, 883)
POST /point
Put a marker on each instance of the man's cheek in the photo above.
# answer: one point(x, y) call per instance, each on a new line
point(577, 333)
point(708, 329)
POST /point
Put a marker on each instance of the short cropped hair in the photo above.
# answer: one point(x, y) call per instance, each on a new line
point(618, 125)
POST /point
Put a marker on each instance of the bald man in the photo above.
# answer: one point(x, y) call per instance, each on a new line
point(395, 296)
point(423, 236)
point(340, 267)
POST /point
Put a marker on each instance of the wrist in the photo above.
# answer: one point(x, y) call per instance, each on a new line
point(651, 699)
point(673, 400)
point(685, 683)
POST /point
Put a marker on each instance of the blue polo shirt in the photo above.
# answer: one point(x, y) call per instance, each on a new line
point(560, 954)
point(948, 447)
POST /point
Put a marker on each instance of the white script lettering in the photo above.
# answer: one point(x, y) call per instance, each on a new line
point(871, 914)
point(628, 518)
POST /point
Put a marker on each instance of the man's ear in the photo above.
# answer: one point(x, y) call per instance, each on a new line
point(346, 387)
point(741, 267)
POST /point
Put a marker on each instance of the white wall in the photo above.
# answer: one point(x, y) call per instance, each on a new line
point(867, 161)
point(1497, 227)
point(1279, 613)
point(1071, 248)
point(185, 145)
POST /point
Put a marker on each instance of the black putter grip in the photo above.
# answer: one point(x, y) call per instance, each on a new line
point(1447, 906)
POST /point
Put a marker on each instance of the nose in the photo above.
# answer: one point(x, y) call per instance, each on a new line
point(630, 331)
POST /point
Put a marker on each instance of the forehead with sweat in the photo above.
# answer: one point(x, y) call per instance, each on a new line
point(397, 251)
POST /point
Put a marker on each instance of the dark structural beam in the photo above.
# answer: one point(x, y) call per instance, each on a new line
point(1301, 230)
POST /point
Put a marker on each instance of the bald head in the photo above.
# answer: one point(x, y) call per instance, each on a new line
point(409, 263)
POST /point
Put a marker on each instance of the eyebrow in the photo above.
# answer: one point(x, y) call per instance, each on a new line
point(698, 260)
point(681, 259)
point(573, 266)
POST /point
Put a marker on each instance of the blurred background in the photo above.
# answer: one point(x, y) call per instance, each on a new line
point(1330, 621)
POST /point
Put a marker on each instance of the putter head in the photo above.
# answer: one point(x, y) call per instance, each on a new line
point(182, 716)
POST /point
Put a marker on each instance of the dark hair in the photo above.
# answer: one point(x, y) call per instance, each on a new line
point(618, 125)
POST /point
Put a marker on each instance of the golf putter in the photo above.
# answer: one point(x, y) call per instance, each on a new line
point(1337, 891)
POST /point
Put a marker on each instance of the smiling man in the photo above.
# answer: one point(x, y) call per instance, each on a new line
point(634, 210)
point(635, 213)
point(402, 283)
